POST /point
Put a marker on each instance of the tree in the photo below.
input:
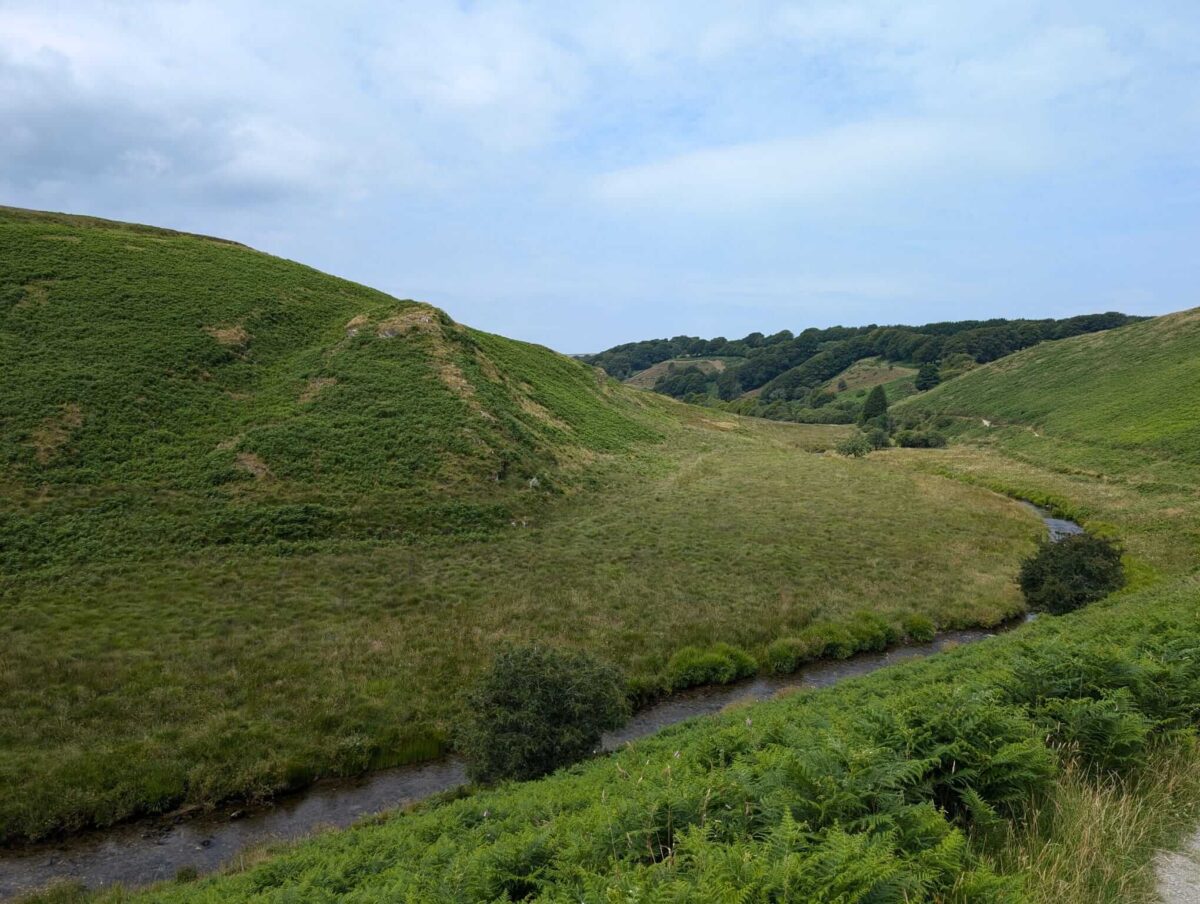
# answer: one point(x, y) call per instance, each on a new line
point(537, 709)
point(1064, 575)
point(875, 406)
point(928, 376)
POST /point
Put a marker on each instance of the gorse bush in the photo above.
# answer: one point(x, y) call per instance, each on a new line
point(1064, 575)
point(718, 664)
point(537, 709)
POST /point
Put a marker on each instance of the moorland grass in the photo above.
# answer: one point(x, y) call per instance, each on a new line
point(1109, 692)
point(260, 525)
point(1134, 388)
point(132, 686)
point(896, 787)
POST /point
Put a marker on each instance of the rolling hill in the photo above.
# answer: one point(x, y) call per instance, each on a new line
point(212, 394)
point(1134, 388)
point(260, 525)
point(1046, 765)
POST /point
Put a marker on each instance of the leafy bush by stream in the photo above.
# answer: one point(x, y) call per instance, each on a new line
point(537, 709)
point(1070, 573)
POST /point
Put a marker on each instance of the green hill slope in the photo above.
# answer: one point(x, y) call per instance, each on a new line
point(259, 525)
point(224, 395)
point(1134, 388)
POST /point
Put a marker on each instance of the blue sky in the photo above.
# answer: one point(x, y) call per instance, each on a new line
point(581, 175)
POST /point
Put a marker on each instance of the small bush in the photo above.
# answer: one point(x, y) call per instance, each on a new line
point(855, 446)
point(719, 664)
point(878, 438)
point(1060, 577)
point(920, 439)
point(537, 709)
point(919, 629)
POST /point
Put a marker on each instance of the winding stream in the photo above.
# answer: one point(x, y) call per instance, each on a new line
point(152, 850)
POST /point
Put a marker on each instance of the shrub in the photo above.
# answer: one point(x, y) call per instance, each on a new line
point(928, 377)
point(878, 438)
point(919, 629)
point(920, 439)
point(537, 709)
point(719, 664)
point(1062, 576)
point(855, 446)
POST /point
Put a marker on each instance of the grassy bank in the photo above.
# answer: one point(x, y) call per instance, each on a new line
point(897, 787)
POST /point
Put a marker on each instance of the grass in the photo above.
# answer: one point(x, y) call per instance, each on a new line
point(1095, 840)
point(869, 372)
point(235, 672)
point(819, 794)
point(1132, 389)
point(1030, 766)
point(261, 525)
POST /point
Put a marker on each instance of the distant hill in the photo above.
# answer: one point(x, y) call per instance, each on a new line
point(214, 394)
point(1137, 387)
point(786, 376)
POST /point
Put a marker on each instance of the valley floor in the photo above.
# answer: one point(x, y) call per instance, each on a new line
point(135, 686)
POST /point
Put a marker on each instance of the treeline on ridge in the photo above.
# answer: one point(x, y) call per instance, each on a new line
point(786, 372)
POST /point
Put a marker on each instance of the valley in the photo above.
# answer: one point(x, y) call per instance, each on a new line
point(350, 518)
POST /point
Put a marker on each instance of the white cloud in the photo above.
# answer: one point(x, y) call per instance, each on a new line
point(491, 71)
point(812, 169)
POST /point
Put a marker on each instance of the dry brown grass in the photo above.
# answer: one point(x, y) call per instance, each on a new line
point(233, 336)
point(313, 388)
point(252, 464)
point(55, 431)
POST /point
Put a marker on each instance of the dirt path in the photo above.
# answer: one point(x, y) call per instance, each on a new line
point(1179, 874)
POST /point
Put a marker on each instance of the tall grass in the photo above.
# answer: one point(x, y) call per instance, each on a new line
point(1094, 840)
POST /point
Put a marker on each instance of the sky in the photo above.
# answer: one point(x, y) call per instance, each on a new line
point(581, 174)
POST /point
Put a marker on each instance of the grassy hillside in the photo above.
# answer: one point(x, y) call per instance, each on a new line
point(645, 379)
point(867, 373)
point(260, 525)
point(1046, 765)
point(167, 388)
point(1133, 388)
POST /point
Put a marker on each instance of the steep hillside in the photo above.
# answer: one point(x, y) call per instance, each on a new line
point(1132, 388)
point(213, 394)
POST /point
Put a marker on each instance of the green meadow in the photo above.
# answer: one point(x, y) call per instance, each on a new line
point(263, 526)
